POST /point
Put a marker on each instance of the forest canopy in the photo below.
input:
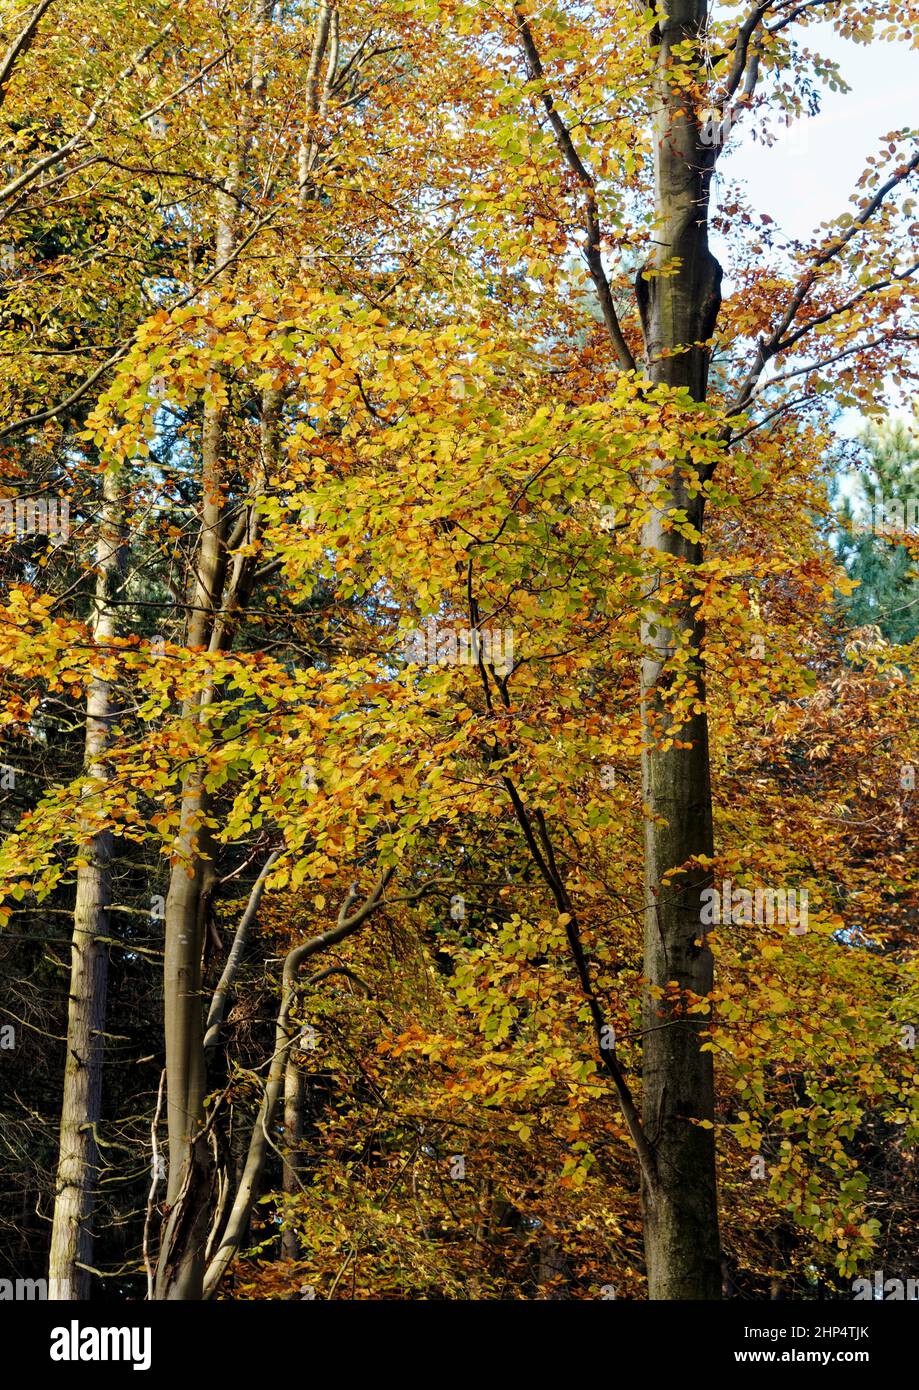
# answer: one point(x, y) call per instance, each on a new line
point(458, 732)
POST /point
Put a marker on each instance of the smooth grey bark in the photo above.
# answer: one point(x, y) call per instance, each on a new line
point(180, 1267)
point(71, 1233)
point(678, 310)
point(216, 600)
point(294, 1095)
point(222, 590)
point(678, 313)
point(219, 595)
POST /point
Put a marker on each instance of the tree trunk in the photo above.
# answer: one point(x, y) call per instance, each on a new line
point(678, 309)
point(71, 1234)
point(293, 1137)
point(285, 1036)
point(181, 1270)
point(215, 606)
point(217, 603)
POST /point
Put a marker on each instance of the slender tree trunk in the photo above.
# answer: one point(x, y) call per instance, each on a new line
point(285, 1036)
point(71, 1233)
point(293, 1137)
point(180, 1268)
point(241, 1209)
point(678, 310)
point(217, 603)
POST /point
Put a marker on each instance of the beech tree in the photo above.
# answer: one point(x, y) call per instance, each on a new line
point(450, 618)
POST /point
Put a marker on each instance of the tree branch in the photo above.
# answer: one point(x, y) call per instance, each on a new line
point(592, 228)
point(348, 922)
point(217, 1010)
point(20, 45)
point(767, 349)
point(40, 165)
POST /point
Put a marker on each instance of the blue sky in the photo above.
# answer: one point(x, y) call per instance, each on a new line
point(811, 172)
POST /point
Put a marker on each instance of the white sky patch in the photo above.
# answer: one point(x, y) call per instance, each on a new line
point(810, 173)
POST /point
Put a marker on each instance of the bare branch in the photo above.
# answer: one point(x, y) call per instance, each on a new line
point(767, 349)
point(20, 45)
point(41, 416)
point(54, 156)
point(218, 1007)
point(154, 1183)
point(746, 56)
point(592, 228)
point(348, 923)
point(797, 12)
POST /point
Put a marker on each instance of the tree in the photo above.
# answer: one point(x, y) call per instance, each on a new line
point(872, 548)
point(71, 1236)
point(476, 629)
